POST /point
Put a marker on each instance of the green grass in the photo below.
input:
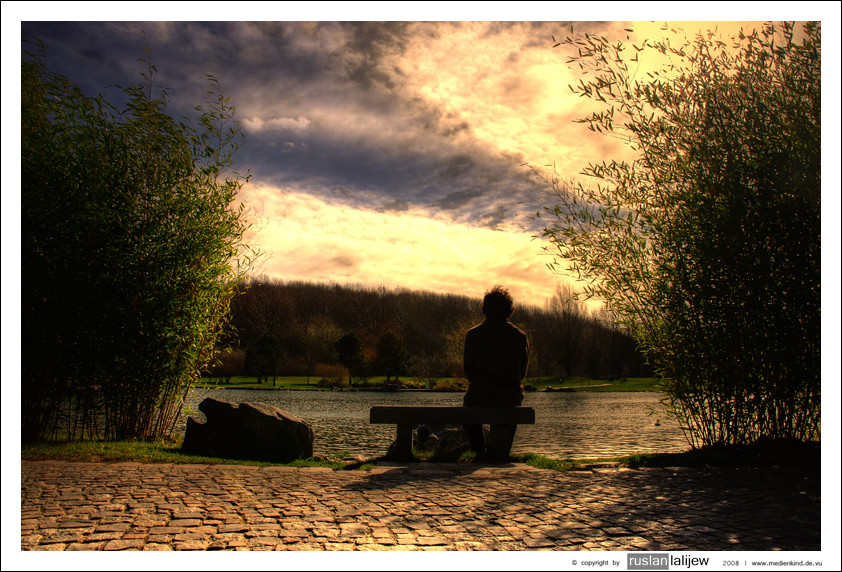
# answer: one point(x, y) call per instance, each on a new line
point(587, 384)
point(776, 453)
point(542, 462)
point(282, 382)
point(762, 454)
point(152, 452)
point(169, 452)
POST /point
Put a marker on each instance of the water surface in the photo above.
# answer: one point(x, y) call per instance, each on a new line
point(581, 425)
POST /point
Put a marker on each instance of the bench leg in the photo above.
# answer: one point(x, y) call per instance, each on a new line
point(404, 442)
point(502, 437)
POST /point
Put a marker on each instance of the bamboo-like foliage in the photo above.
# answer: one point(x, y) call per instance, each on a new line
point(131, 250)
point(707, 244)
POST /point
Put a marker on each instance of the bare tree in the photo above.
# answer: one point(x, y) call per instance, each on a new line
point(320, 337)
point(568, 320)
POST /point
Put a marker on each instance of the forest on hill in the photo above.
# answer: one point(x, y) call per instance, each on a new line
point(330, 330)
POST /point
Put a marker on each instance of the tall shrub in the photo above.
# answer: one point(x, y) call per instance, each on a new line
point(707, 244)
point(131, 247)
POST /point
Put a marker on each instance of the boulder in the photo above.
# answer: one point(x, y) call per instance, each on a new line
point(253, 431)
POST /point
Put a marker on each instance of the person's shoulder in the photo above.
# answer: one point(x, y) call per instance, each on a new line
point(475, 330)
point(514, 329)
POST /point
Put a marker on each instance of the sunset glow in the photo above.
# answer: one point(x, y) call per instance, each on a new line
point(306, 238)
point(388, 153)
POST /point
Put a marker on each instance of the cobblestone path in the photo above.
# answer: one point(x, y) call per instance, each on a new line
point(100, 506)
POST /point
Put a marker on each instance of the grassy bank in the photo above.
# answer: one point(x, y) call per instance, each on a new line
point(244, 382)
point(534, 383)
point(151, 452)
point(762, 454)
point(588, 384)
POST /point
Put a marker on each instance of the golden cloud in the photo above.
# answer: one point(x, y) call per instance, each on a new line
point(305, 238)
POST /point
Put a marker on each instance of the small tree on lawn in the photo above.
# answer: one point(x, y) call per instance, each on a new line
point(392, 357)
point(350, 350)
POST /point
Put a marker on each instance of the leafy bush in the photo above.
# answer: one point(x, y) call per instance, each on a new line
point(332, 375)
point(228, 363)
point(449, 385)
point(131, 248)
point(427, 369)
point(707, 245)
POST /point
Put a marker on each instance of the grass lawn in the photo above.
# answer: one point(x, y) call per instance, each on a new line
point(282, 382)
point(150, 452)
point(765, 454)
point(587, 384)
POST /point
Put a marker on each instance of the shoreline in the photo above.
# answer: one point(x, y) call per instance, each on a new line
point(570, 389)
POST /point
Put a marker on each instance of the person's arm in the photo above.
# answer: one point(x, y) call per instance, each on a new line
point(524, 364)
point(468, 364)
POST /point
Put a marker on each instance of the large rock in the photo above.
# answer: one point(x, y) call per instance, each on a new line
point(254, 431)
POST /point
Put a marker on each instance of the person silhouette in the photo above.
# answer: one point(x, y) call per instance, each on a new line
point(495, 362)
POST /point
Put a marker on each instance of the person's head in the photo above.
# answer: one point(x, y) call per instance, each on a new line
point(497, 304)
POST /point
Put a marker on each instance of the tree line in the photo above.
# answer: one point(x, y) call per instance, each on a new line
point(350, 331)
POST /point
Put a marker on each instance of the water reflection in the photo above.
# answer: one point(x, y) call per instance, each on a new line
point(567, 424)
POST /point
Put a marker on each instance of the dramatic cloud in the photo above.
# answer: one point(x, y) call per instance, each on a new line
point(426, 114)
point(380, 152)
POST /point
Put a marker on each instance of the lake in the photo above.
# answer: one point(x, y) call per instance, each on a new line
point(579, 425)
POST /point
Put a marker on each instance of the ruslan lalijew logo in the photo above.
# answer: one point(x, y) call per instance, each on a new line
point(662, 561)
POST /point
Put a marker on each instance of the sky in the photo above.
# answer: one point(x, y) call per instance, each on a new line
point(390, 153)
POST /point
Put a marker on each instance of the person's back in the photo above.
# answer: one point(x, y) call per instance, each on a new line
point(496, 356)
point(495, 362)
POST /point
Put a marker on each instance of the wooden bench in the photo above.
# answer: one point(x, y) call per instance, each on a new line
point(405, 417)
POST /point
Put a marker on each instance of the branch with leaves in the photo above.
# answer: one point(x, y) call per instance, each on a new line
point(706, 244)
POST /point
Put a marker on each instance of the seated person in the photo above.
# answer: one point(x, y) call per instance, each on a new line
point(496, 357)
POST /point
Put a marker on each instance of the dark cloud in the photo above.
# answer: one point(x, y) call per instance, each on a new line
point(342, 261)
point(368, 42)
point(458, 199)
point(455, 167)
point(396, 205)
point(345, 126)
point(499, 215)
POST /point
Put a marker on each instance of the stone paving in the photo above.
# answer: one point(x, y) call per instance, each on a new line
point(420, 506)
